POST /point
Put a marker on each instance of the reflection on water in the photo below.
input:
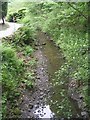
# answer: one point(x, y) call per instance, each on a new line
point(44, 112)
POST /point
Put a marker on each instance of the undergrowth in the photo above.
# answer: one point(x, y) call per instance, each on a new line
point(17, 66)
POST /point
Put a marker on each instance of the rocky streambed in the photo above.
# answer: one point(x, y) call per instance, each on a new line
point(50, 98)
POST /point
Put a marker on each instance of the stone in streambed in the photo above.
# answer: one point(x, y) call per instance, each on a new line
point(38, 77)
point(29, 110)
point(44, 43)
point(48, 90)
point(37, 102)
point(41, 93)
point(84, 114)
point(41, 97)
point(39, 111)
point(36, 106)
point(81, 97)
point(40, 89)
point(31, 106)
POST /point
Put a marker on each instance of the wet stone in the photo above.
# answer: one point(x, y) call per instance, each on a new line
point(45, 90)
point(48, 90)
point(29, 110)
point(37, 102)
point(42, 68)
point(41, 93)
point(41, 97)
point(84, 113)
point(38, 77)
point(30, 106)
point(36, 106)
point(43, 43)
point(41, 115)
point(38, 111)
point(40, 89)
point(81, 97)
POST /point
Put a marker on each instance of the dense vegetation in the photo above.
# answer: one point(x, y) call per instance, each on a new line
point(66, 24)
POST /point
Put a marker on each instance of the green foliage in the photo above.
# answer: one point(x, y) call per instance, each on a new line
point(15, 69)
point(28, 84)
point(10, 18)
point(24, 36)
point(32, 63)
point(28, 50)
point(12, 70)
point(16, 15)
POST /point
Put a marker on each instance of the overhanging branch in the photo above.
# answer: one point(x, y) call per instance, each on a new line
point(77, 10)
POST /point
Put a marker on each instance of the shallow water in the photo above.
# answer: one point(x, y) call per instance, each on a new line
point(59, 104)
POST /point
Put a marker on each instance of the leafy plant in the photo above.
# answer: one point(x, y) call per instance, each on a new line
point(12, 70)
point(28, 50)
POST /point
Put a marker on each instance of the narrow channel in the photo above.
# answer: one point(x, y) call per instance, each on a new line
point(59, 103)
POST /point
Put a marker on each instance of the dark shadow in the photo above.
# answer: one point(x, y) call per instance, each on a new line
point(3, 26)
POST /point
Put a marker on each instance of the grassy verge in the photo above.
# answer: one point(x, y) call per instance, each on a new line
point(17, 69)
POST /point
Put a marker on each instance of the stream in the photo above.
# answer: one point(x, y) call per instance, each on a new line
point(50, 97)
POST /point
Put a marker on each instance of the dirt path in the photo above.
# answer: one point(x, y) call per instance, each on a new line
point(8, 29)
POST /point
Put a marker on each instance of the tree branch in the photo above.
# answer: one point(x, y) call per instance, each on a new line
point(77, 10)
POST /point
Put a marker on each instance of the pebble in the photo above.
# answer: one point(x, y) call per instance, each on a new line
point(42, 68)
point(30, 106)
point(53, 93)
point(36, 106)
point(37, 102)
point(29, 110)
point(48, 90)
point(81, 97)
point(40, 89)
point(38, 77)
point(45, 90)
point(41, 93)
point(38, 111)
point(41, 115)
point(41, 97)
point(43, 43)
point(84, 113)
